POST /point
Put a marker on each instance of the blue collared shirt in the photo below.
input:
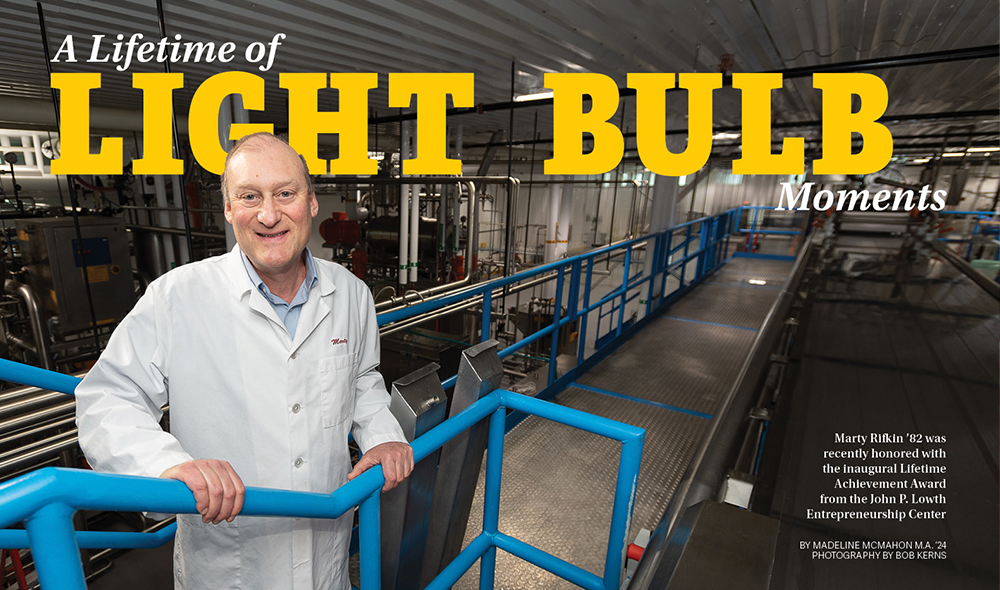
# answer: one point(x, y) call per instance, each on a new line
point(288, 313)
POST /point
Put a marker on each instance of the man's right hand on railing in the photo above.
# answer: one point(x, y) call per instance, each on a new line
point(218, 491)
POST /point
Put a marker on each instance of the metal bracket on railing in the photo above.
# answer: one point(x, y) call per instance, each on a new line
point(418, 402)
point(479, 373)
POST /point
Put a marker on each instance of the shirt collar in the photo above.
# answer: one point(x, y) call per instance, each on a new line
point(303, 291)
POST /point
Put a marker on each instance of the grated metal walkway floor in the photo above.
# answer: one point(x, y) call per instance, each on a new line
point(558, 482)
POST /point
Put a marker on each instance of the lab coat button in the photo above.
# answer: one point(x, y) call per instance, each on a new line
point(296, 408)
point(295, 355)
point(298, 462)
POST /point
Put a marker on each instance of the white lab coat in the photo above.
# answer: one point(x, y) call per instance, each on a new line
point(204, 340)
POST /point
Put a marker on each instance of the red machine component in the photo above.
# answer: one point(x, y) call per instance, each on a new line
point(359, 260)
point(15, 564)
point(338, 229)
point(458, 266)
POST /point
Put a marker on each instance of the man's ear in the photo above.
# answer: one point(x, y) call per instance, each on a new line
point(228, 210)
point(313, 204)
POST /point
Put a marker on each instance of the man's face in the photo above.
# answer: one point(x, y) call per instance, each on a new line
point(270, 206)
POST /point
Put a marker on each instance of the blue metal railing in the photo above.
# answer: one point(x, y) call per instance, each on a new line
point(705, 245)
point(45, 500)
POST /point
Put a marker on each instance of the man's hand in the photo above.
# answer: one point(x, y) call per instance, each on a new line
point(395, 458)
point(218, 491)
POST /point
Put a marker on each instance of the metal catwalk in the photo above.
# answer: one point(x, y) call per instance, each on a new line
point(558, 482)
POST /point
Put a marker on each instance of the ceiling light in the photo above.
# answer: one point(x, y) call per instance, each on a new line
point(756, 282)
point(982, 149)
point(921, 161)
point(724, 135)
point(953, 155)
point(533, 96)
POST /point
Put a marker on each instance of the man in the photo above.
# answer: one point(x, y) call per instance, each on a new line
point(267, 358)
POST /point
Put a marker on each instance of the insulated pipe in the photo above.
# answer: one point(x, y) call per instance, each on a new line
point(552, 227)
point(404, 209)
point(472, 243)
point(427, 293)
point(515, 185)
point(414, 231)
point(34, 308)
point(456, 216)
point(442, 215)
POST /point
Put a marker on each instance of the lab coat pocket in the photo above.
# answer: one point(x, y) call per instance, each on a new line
point(337, 382)
point(208, 555)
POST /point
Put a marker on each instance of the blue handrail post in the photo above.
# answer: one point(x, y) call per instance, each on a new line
point(487, 308)
point(574, 291)
point(556, 315)
point(652, 267)
point(621, 516)
point(687, 245)
point(621, 306)
point(370, 544)
point(59, 565)
point(586, 312)
point(709, 240)
point(666, 267)
point(734, 219)
point(491, 497)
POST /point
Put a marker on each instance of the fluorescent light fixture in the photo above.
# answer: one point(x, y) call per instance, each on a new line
point(982, 149)
point(921, 161)
point(726, 136)
point(756, 282)
point(534, 96)
point(953, 155)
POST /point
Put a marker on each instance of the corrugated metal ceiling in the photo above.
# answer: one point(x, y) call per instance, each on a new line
point(602, 36)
